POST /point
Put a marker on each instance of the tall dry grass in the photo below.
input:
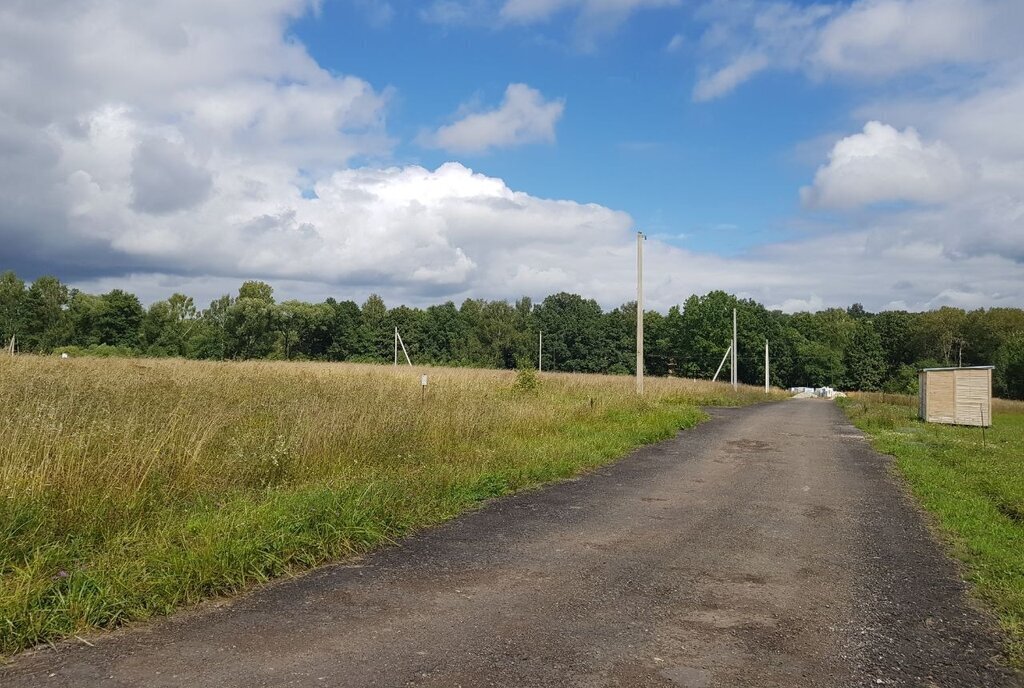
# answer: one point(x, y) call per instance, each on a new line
point(130, 487)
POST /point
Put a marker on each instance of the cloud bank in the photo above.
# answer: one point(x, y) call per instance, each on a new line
point(221, 151)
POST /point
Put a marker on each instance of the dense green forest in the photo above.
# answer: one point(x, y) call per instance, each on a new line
point(848, 349)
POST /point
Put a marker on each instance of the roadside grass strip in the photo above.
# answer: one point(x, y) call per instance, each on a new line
point(130, 488)
point(973, 483)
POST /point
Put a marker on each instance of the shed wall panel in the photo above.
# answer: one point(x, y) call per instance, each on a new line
point(973, 395)
point(941, 401)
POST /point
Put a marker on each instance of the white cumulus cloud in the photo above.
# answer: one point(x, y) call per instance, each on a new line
point(885, 164)
point(523, 117)
point(890, 36)
point(867, 39)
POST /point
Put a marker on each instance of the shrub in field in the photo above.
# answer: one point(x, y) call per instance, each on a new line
point(526, 379)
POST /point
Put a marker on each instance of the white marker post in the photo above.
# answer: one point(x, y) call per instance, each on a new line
point(423, 388)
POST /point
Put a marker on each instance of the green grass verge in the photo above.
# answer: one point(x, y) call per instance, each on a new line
point(974, 486)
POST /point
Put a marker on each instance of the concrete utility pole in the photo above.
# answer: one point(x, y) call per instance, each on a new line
point(766, 366)
point(398, 341)
point(640, 312)
point(540, 352)
point(724, 356)
point(735, 377)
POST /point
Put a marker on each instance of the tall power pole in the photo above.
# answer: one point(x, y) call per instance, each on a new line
point(766, 366)
point(640, 312)
point(735, 377)
point(540, 351)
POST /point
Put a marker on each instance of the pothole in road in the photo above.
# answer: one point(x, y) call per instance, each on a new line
point(749, 445)
point(818, 511)
point(687, 676)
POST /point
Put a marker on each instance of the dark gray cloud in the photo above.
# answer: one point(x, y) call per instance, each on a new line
point(164, 180)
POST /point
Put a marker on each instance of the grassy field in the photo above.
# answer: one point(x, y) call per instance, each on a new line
point(129, 488)
point(973, 484)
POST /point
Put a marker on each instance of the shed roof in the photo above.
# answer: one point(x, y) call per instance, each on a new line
point(931, 370)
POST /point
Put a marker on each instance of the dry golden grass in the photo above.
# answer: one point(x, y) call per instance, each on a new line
point(129, 487)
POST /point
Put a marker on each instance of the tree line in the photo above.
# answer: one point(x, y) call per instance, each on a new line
point(849, 349)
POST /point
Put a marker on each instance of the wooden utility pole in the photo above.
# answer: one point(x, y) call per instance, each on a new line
point(396, 347)
point(766, 366)
point(735, 377)
point(540, 351)
point(640, 312)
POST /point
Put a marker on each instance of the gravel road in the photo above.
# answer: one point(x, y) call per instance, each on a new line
point(769, 546)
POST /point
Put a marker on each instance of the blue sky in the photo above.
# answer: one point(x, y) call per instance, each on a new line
point(631, 136)
point(802, 154)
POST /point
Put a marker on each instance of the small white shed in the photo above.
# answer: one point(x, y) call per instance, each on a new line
point(959, 396)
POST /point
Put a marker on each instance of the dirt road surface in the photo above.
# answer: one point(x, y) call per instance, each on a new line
point(767, 547)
